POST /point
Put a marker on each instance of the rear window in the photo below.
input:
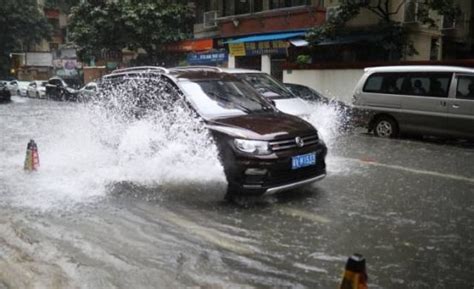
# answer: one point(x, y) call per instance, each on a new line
point(432, 84)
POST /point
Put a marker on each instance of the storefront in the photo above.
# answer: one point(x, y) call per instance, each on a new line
point(266, 52)
point(179, 51)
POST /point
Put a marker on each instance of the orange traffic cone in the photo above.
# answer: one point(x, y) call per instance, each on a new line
point(355, 275)
point(32, 157)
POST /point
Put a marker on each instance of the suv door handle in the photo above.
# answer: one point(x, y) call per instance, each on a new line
point(455, 106)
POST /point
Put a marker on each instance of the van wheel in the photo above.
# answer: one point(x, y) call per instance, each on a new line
point(385, 126)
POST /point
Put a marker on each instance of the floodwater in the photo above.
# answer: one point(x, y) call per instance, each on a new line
point(139, 204)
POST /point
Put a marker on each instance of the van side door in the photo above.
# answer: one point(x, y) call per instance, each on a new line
point(461, 106)
point(424, 102)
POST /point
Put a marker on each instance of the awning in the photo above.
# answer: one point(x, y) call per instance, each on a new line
point(299, 42)
point(267, 37)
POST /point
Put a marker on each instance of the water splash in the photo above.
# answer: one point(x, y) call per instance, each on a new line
point(85, 148)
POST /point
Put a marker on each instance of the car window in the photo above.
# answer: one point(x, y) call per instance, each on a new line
point(32, 84)
point(223, 97)
point(390, 83)
point(265, 85)
point(423, 84)
point(428, 84)
point(465, 87)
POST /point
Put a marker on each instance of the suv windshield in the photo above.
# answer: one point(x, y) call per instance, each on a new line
point(223, 97)
point(265, 85)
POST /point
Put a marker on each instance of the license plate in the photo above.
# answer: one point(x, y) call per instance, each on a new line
point(303, 161)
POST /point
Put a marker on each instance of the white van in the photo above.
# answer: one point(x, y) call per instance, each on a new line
point(427, 100)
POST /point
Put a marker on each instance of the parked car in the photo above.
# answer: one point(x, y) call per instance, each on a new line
point(272, 89)
point(58, 89)
point(262, 150)
point(37, 89)
point(426, 100)
point(88, 91)
point(311, 95)
point(17, 87)
point(5, 95)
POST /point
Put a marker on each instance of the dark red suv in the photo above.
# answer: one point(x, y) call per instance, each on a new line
point(261, 149)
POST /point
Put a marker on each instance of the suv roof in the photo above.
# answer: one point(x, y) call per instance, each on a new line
point(188, 72)
point(241, 70)
point(419, 68)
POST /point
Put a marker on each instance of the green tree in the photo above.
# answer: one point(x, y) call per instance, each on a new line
point(23, 26)
point(63, 5)
point(111, 26)
point(394, 34)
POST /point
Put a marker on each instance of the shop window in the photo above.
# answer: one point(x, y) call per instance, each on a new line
point(53, 46)
point(276, 4)
point(257, 5)
point(242, 6)
point(237, 7)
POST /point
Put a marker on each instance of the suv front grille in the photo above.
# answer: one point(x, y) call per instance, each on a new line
point(287, 144)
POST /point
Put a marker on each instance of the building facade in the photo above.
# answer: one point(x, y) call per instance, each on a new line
point(262, 34)
point(446, 39)
point(50, 57)
point(257, 34)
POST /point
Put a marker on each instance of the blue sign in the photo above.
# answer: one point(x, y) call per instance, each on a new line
point(207, 58)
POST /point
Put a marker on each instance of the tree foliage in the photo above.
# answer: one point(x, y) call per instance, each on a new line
point(23, 26)
point(63, 5)
point(114, 25)
point(395, 35)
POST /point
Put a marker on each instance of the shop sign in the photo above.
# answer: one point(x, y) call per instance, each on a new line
point(258, 48)
point(266, 47)
point(237, 49)
point(207, 58)
point(39, 59)
point(190, 45)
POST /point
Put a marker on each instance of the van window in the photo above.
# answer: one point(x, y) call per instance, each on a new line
point(427, 84)
point(390, 83)
point(465, 89)
point(423, 84)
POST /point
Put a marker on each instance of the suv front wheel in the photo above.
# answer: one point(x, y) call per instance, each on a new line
point(385, 126)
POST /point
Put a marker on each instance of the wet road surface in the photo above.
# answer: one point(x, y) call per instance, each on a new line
point(83, 222)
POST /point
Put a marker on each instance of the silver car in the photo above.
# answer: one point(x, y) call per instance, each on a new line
point(37, 89)
point(425, 100)
point(272, 89)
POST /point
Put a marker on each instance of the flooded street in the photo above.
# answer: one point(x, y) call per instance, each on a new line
point(105, 211)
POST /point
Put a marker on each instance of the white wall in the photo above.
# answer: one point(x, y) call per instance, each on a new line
point(334, 83)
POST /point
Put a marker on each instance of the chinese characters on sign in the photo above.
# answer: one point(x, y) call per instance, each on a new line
point(209, 58)
point(258, 48)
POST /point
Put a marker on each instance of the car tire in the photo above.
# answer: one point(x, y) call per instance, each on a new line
point(37, 95)
point(385, 126)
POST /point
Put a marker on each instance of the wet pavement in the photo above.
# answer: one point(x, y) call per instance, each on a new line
point(87, 219)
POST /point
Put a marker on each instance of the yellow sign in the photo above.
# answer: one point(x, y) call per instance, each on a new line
point(237, 49)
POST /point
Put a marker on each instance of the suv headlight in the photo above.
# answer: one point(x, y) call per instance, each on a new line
point(253, 146)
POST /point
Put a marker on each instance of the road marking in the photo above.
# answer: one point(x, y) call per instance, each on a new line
point(211, 235)
point(303, 214)
point(416, 171)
